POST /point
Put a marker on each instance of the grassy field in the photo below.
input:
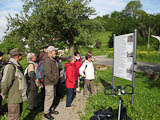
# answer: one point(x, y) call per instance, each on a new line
point(103, 37)
point(146, 103)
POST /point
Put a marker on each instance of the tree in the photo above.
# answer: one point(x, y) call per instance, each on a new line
point(49, 21)
point(132, 8)
point(146, 26)
point(11, 41)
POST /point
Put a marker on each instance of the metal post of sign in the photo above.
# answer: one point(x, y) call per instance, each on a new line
point(134, 63)
point(113, 62)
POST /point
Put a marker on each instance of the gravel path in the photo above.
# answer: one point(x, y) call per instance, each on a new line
point(73, 113)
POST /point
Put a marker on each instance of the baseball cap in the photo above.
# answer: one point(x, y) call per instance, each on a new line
point(51, 48)
point(15, 52)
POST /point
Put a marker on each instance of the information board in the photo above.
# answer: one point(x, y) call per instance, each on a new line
point(123, 56)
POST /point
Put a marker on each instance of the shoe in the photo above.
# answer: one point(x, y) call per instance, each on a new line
point(52, 111)
point(86, 96)
point(30, 109)
point(78, 91)
point(49, 116)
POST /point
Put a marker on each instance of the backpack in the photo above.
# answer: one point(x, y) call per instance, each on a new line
point(63, 75)
point(26, 75)
point(2, 69)
point(2, 65)
point(39, 72)
point(82, 78)
point(103, 115)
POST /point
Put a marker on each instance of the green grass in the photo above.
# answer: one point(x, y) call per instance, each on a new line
point(95, 51)
point(103, 37)
point(146, 103)
point(148, 56)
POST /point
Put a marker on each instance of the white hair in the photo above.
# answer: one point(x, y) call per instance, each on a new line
point(30, 56)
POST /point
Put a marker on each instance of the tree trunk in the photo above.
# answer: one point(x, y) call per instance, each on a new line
point(158, 45)
point(149, 35)
point(71, 49)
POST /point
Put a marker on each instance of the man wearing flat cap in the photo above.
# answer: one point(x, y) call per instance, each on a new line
point(51, 76)
point(14, 85)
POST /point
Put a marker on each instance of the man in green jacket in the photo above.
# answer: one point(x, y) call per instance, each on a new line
point(51, 76)
point(13, 85)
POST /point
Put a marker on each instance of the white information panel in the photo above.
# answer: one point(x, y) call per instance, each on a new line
point(123, 56)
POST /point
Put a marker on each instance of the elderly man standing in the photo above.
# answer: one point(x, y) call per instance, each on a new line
point(14, 85)
point(51, 76)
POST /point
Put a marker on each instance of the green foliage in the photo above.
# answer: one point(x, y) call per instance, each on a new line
point(132, 8)
point(10, 42)
point(58, 22)
point(129, 19)
point(146, 98)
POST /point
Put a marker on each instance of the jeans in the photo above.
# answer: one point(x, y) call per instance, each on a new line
point(70, 93)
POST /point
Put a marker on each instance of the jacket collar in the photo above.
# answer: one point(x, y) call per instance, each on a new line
point(14, 61)
point(52, 59)
point(86, 61)
point(31, 62)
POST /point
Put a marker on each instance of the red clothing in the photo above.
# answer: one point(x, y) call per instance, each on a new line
point(70, 75)
point(78, 65)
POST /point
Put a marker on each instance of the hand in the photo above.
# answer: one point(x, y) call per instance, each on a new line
point(60, 55)
point(38, 84)
point(2, 95)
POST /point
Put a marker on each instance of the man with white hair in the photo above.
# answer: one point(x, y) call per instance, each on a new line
point(32, 80)
point(51, 76)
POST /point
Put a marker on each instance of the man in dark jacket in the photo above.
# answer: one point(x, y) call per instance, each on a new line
point(2, 64)
point(51, 76)
point(43, 54)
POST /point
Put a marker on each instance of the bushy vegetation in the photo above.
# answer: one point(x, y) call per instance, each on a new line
point(146, 100)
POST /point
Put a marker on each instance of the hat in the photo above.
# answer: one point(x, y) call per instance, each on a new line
point(45, 47)
point(51, 48)
point(30, 56)
point(15, 52)
point(1, 54)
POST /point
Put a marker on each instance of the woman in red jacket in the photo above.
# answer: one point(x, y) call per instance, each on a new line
point(70, 79)
point(78, 65)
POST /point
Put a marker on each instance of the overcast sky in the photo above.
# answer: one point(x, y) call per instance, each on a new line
point(102, 7)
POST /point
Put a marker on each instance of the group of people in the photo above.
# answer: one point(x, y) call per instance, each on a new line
point(19, 86)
